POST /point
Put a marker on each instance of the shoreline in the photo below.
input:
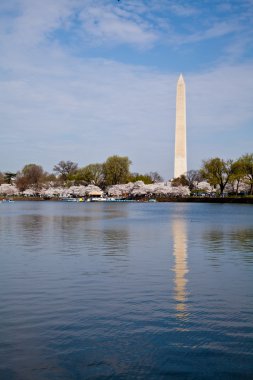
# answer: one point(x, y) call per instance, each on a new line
point(210, 200)
point(241, 200)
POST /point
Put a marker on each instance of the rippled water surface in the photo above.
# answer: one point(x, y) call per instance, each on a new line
point(126, 291)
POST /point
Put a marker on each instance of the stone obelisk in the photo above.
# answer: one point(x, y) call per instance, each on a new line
point(180, 162)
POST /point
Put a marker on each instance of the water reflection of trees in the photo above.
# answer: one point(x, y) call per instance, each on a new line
point(223, 241)
point(100, 231)
point(116, 241)
point(180, 265)
point(96, 229)
point(114, 231)
point(30, 230)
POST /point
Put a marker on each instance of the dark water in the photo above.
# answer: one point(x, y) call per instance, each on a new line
point(126, 291)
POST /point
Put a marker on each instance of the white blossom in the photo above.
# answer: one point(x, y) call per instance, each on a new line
point(93, 189)
point(6, 189)
point(29, 192)
point(140, 189)
point(52, 192)
point(205, 186)
point(122, 190)
point(118, 191)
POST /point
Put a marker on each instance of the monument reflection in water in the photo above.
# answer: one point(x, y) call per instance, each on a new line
point(180, 267)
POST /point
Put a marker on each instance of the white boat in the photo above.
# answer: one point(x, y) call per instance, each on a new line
point(68, 199)
point(109, 199)
point(101, 199)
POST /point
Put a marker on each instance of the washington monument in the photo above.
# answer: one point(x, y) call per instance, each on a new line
point(180, 162)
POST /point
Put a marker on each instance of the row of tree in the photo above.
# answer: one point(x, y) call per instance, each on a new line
point(115, 170)
point(219, 173)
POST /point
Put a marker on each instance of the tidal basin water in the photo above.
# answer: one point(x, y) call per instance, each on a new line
point(126, 291)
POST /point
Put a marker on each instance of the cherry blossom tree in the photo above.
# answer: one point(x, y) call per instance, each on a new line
point(7, 189)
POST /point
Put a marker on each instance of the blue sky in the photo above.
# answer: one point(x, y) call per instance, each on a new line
point(84, 79)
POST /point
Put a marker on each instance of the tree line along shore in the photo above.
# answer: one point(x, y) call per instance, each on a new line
point(216, 179)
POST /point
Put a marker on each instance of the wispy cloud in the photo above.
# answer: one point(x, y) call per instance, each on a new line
point(116, 25)
point(56, 104)
point(184, 10)
point(28, 23)
point(138, 23)
point(94, 108)
point(218, 29)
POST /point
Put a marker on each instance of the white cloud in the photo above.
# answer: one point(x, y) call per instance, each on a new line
point(86, 110)
point(219, 29)
point(55, 105)
point(100, 109)
point(109, 23)
point(183, 9)
point(30, 21)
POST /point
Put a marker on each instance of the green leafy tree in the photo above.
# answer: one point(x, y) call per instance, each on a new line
point(180, 181)
point(116, 170)
point(246, 167)
point(92, 173)
point(65, 168)
point(134, 177)
point(238, 175)
point(217, 172)
point(50, 177)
